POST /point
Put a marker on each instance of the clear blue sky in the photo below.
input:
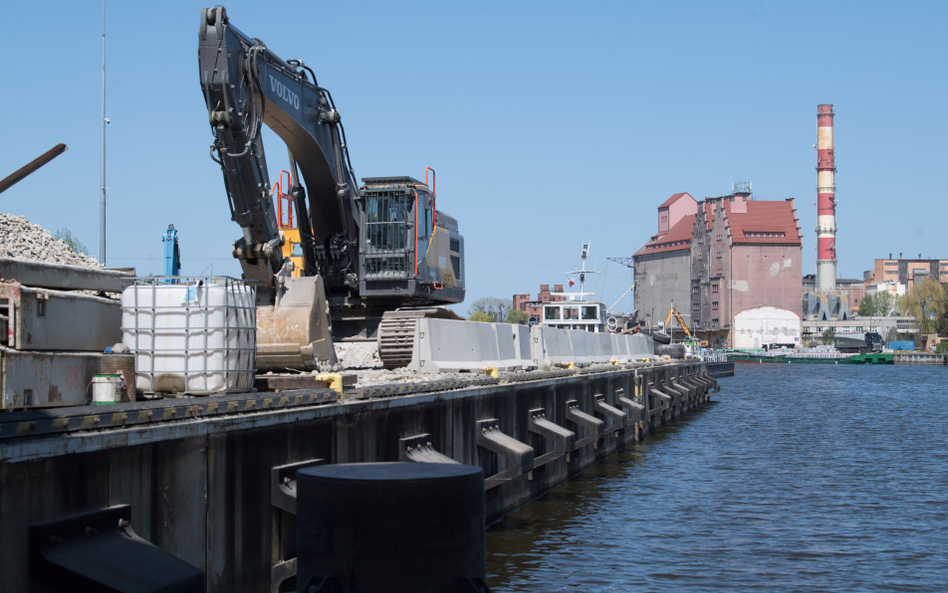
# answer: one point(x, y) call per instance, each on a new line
point(547, 122)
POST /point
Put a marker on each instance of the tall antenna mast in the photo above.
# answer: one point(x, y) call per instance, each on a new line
point(105, 120)
point(582, 273)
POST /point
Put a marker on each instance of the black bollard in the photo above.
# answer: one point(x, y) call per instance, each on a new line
point(392, 527)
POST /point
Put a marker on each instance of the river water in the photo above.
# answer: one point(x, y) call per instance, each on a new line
point(796, 478)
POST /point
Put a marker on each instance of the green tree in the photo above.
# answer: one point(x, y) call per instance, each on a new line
point(517, 316)
point(480, 316)
point(928, 304)
point(497, 309)
point(941, 347)
point(892, 335)
point(867, 307)
point(828, 336)
point(885, 303)
point(71, 241)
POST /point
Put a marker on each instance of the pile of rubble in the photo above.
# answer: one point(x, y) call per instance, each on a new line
point(358, 355)
point(21, 239)
point(374, 377)
point(362, 360)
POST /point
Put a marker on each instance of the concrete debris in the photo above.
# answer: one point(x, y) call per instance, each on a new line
point(358, 355)
point(373, 377)
point(21, 239)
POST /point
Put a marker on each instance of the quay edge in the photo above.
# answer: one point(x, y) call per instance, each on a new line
point(200, 488)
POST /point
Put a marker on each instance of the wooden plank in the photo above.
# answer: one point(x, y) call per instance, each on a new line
point(296, 381)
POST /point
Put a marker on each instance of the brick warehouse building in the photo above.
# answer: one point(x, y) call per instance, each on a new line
point(522, 302)
point(663, 265)
point(732, 265)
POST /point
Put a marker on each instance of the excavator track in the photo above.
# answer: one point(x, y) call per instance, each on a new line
point(397, 333)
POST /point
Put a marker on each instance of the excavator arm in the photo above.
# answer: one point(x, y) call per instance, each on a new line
point(674, 312)
point(245, 86)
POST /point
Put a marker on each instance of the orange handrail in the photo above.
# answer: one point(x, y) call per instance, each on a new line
point(281, 195)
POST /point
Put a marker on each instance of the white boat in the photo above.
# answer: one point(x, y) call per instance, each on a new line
point(572, 310)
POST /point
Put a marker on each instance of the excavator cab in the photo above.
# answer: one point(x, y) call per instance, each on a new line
point(409, 249)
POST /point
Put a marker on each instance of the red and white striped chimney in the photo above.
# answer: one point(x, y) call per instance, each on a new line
point(825, 200)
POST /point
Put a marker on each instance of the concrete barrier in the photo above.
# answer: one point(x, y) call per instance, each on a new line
point(620, 347)
point(551, 347)
point(513, 346)
point(641, 346)
point(448, 345)
point(584, 347)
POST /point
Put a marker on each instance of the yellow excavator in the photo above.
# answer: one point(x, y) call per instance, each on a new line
point(673, 312)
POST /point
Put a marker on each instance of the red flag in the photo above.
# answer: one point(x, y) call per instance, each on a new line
point(571, 283)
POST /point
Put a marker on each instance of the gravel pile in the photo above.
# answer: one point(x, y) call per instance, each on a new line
point(369, 378)
point(21, 239)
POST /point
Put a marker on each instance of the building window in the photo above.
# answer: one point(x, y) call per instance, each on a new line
point(714, 305)
point(714, 288)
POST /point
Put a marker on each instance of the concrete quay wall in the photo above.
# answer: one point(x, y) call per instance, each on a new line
point(200, 488)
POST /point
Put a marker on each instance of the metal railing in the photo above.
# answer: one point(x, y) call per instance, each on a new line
point(387, 253)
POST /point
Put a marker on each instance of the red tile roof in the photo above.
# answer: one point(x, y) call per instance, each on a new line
point(764, 223)
point(676, 239)
point(673, 199)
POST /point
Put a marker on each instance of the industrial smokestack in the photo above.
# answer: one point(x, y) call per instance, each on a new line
point(825, 200)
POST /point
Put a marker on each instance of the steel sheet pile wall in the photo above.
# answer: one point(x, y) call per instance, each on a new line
point(201, 488)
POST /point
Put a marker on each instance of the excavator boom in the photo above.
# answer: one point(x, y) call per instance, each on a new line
point(673, 312)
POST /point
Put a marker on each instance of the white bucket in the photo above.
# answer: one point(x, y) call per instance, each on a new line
point(106, 389)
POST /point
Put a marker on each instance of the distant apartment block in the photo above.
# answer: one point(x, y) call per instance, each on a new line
point(906, 271)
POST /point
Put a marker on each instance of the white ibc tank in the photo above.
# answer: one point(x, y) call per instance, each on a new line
point(196, 335)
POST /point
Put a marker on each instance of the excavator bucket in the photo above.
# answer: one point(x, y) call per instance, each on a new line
point(296, 332)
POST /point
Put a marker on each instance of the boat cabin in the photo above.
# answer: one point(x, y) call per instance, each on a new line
point(583, 315)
